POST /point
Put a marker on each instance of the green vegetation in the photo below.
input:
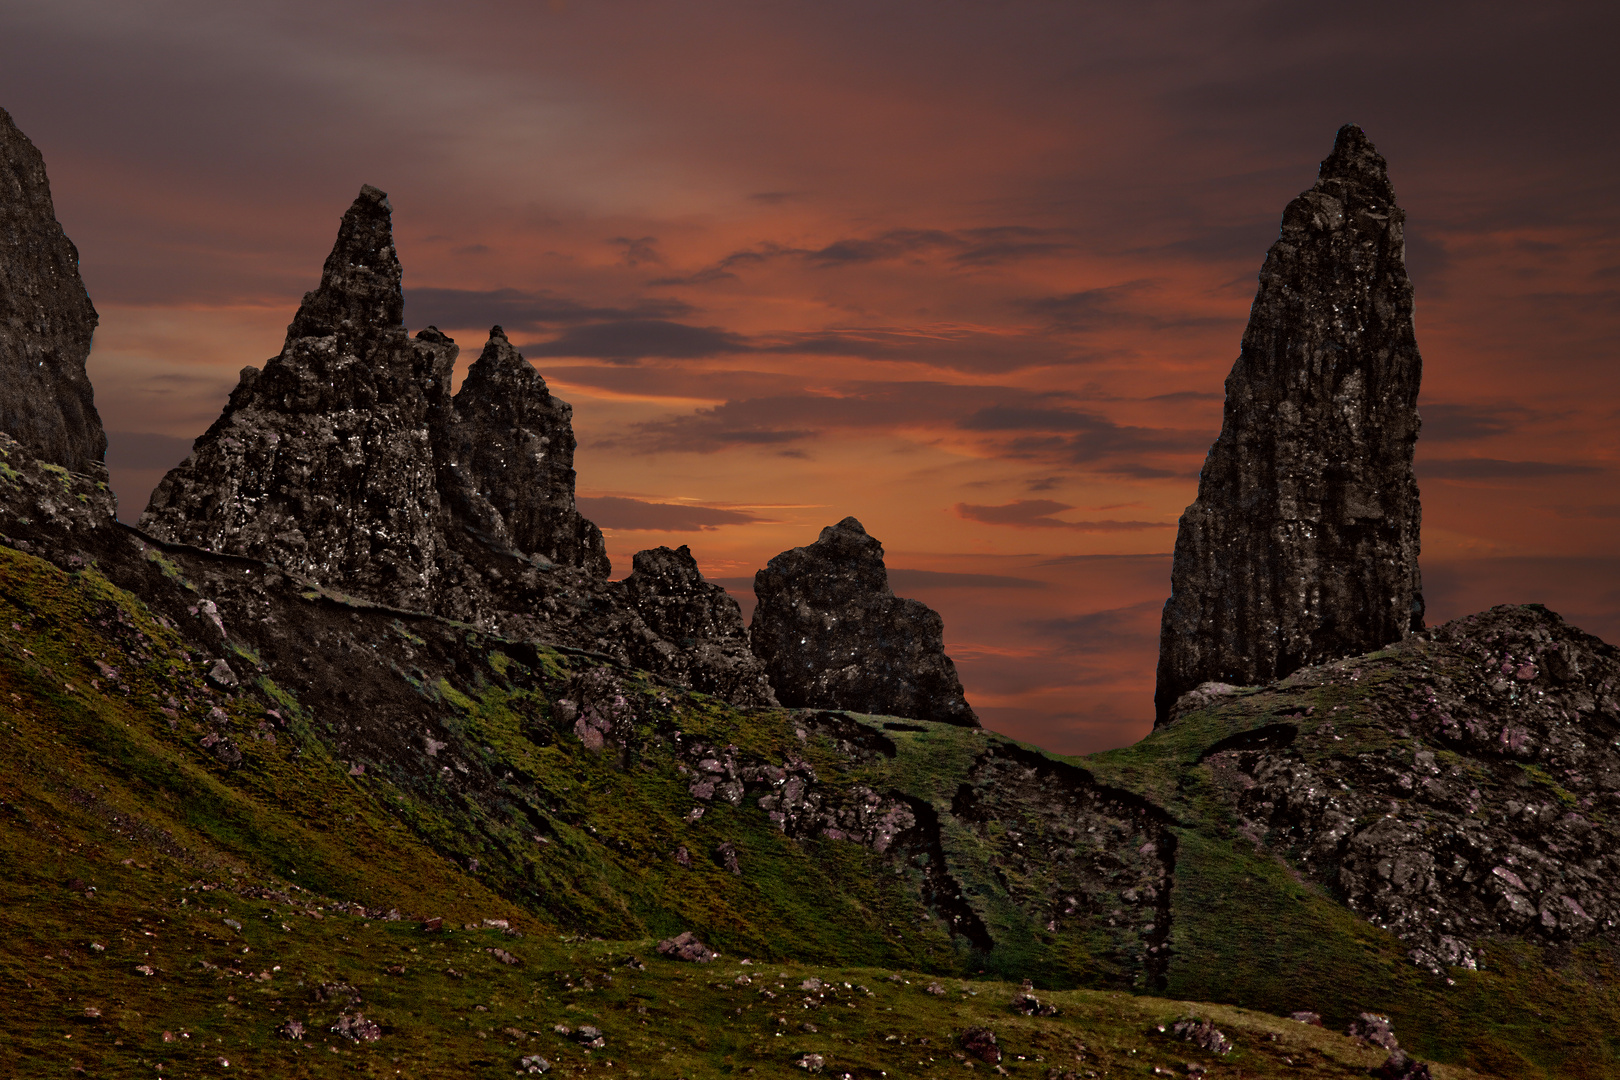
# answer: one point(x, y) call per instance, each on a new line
point(122, 826)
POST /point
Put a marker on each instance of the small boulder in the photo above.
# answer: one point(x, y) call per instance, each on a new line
point(1401, 1066)
point(811, 1062)
point(357, 1028)
point(292, 1029)
point(1306, 1017)
point(533, 1065)
point(685, 947)
point(1029, 1005)
point(1374, 1029)
point(1201, 1033)
point(981, 1043)
point(221, 677)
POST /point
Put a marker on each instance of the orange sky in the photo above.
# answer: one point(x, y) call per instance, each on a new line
point(973, 273)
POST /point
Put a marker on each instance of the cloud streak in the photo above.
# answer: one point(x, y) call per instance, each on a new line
point(1037, 514)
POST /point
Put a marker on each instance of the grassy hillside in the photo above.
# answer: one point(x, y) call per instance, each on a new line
point(369, 769)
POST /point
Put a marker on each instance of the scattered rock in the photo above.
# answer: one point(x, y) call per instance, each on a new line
point(832, 634)
point(533, 1065)
point(292, 1029)
point(502, 955)
point(1306, 1017)
point(589, 1037)
point(934, 988)
point(1030, 1005)
point(434, 924)
point(46, 320)
point(811, 1062)
point(1201, 1033)
point(221, 677)
point(357, 1028)
point(1302, 545)
point(1375, 1030)
point(981, 1043)
point(1400, 1066)
point(686, 947)
point(726, 855)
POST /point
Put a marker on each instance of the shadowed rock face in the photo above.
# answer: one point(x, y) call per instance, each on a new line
point(347, 461)
point(509, 459)
point(1302, 545)
point(46, 319)
point(322, 463)
point(833, 635)
point(698, 636)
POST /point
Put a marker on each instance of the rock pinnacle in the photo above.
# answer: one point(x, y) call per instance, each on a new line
point(1302, 545)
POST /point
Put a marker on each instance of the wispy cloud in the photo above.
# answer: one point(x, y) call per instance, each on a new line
point(1038, 514)
point(617, 512)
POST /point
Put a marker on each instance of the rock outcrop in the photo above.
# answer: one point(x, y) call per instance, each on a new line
point(507, 462)
point(833, 635)
point(697, 632)
point(347, 461)
point(1302, 545)
point(322, 463)
point(1460, 788)
point(46, 320)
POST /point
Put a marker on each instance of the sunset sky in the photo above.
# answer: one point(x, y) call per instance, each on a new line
point(971, 272)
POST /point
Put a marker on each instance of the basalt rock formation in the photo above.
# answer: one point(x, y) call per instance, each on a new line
point(46, 320)
point(346, 461)
point(510, 454)
point(322, 463)
point(1302, 545)
point(833, 635)
point(697, 632)
point(1468, 791)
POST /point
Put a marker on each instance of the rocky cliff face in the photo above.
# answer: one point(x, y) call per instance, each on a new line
point(833, 635)
point(509, 456)
point(1302, 545)
point(697, 632)
point(46, 319)
point(347, 461)
point(322, 462)
point(1469, 789)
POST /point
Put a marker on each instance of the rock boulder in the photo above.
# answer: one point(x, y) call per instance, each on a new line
point(833, 635)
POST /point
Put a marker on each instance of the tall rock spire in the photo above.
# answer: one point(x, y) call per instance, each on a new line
point(1302, 545)
point(46, 319)
point(323, 462)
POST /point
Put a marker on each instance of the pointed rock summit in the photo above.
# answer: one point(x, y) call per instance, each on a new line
point(347, 461)
point(322, 462)
point(46, 319)
point(833, 635)
point(509, 456)
point(1302, 545)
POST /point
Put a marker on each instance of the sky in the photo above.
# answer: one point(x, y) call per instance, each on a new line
point(973, 273)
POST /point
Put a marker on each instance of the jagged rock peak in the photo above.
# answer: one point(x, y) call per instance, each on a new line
point(46, 319)
point(700, 639)
point(1302, 545)
point(323, 463)
point(361, 281)
point(833, 635)
point(509, 456)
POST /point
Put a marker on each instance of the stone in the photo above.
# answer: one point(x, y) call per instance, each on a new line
point(832, 634)
point(1302, 545)
point(533, 1065)
point(46, 320)
point(1202, 1034)
point(1305, 1016)
point(322, 462)
point(697, 636)
point(356, 1028)
point(221, 677)
point(687, 947)
point(507, 462)
point(981, 1043)
point(292, 1029)
point(1028, 1004)
point(1375, 1030)
point(811, 1062)
point(1401, 1066)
